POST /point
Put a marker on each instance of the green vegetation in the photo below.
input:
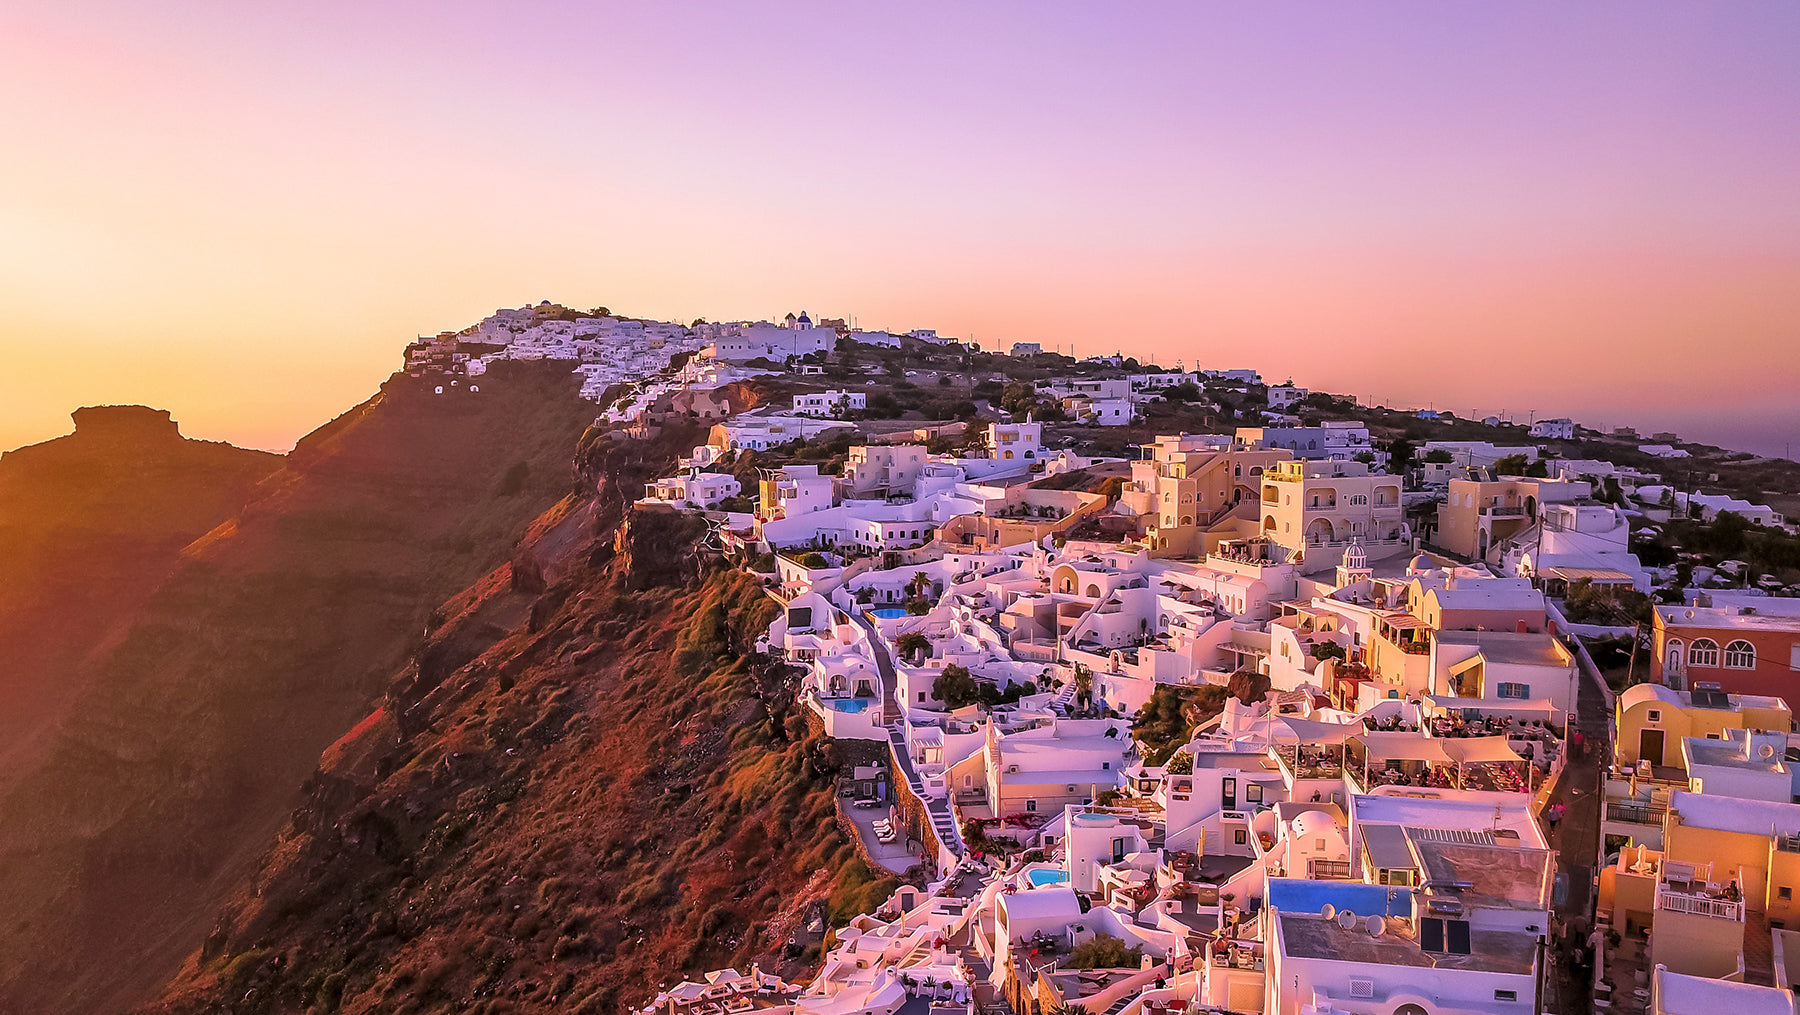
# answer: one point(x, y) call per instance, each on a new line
point(1168, 719)
point(1517, 465)
point(1103, 951)
point(955, 687)
point(858, 891)
point(1587, 603)
point(913, 645)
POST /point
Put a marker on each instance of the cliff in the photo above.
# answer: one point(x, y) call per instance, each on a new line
point(208, 703)
point(90, 523)
point(582, 785)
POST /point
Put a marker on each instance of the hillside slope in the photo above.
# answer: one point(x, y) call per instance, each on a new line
point(201, 718)
point(583, 786)
point(90, 523)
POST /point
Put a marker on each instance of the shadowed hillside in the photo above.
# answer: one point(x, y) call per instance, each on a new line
point(199, 720)
point(90, 523)
point(584, 784)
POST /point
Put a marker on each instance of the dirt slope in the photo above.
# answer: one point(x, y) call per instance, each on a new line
point(583, 786)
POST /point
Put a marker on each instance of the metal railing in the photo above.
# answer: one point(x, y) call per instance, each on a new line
point(1636, 812)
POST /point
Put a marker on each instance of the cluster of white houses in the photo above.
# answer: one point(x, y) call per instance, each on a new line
point(1364, 839)
point(1362, 831)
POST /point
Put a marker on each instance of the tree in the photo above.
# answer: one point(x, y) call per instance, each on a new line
point(1186, 391)
point(1438, 456)
point(1328, 650)
point(1511, 465)
point(955, 687)
point(1019, 397)
point(1400, 455)
point(813, 561)
point(913, 645)
point(1727, 533)
point(1084, 685)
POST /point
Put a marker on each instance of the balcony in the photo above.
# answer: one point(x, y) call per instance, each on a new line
point(1503, 512)
point(1699, 902)
point(1636, 812)
point(1328, 870)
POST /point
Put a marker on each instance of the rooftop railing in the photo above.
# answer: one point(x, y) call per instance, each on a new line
point(1699, 904)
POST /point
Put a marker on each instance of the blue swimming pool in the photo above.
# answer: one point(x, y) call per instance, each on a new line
point(888, 612)
point(1041, 876)
point(1292, 895)
point(848, 704)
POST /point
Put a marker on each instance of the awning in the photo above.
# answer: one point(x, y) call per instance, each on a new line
point(1595, 575)
point(1384, 745)
point(1477, 750)
point(1291, 730)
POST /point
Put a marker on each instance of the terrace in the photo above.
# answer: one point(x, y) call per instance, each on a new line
point(1691, 888)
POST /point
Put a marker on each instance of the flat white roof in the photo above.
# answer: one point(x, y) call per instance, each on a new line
point(1731, 814)
point(1680, 994)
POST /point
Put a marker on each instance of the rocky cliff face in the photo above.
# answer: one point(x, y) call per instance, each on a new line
point(209, 702)
point(90, 523)
point(582, 785)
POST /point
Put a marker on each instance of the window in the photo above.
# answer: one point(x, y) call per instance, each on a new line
point(1514, 690)
point(1362, 988)
point(1653, 715)
point(1253, 792)
point(1786, 893)
point(1105, 766)
point(1241, 837)
point(1031, 805)
point(1740, 655)
point(1704, 653)
point(1506, 995)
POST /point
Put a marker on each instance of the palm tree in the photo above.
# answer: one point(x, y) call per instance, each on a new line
point(1084, 685)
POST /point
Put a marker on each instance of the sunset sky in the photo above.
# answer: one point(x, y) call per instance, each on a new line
point(241, 212)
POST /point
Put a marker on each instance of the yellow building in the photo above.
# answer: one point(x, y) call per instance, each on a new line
point(1653, 720)
point(1187, 485)
point(1315, 510)
point(1727, 874)
point(1480, 514)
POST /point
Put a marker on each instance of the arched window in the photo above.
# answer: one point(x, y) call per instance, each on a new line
point(1187, 519)
point(1740, 655)
point(1093, 591)
point(1704, 653)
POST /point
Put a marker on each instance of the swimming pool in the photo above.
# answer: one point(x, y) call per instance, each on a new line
point(848, 704)
point(1292, 895)
point(888, 612)
point(1041, 876)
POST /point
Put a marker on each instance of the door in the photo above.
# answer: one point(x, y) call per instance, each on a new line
point(1228, 794)
point(1650, 746)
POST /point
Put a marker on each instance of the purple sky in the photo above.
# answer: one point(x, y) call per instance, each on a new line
point(241, 211)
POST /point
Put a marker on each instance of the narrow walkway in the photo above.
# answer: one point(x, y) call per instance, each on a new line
point(943, 821)
point(1577, 837)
